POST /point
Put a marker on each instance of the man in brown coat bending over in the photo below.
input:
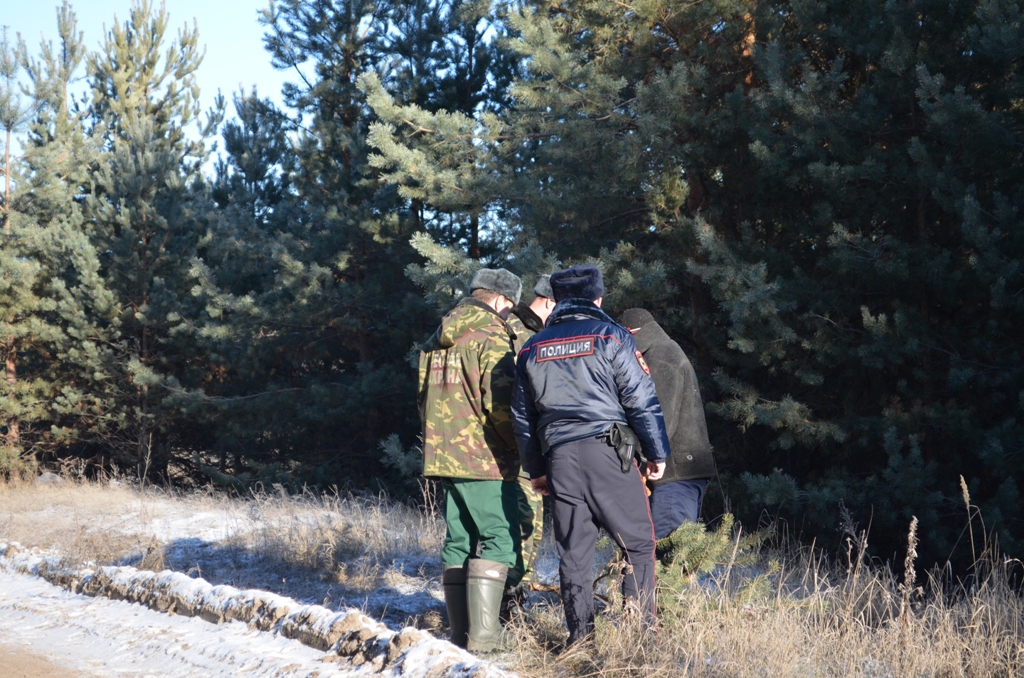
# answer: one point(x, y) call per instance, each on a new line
point(677, 496)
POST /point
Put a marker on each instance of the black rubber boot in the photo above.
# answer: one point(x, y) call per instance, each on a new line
point(485, 584)
point(454, 580)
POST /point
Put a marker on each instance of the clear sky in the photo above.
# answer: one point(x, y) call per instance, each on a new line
point(227, 28)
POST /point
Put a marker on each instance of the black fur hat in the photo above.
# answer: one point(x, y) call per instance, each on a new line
point(577, 282)
point(505, 283)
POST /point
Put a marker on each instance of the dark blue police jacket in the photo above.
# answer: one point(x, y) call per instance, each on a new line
point(576, 377)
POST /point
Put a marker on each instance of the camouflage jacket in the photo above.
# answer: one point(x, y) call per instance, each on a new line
point(465, 397)
point(524, 323)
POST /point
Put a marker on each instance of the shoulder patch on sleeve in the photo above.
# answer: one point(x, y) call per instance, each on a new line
point(643, 363)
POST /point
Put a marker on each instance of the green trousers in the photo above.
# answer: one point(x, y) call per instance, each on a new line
point(482, 517)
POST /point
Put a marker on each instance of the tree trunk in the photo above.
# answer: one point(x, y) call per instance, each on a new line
point(11, 369)
point(144, 449)
point(10, 355)
point(7, 185)
point(474, 236)
point(748, 51)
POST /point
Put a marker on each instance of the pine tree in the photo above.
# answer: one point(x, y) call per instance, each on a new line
point(17, 274)
point(311, 316)
point(517, 170)
point(312, 341)
point(256, 174)
point(149, 209)
point(69, 356)
point(53, 297)
point(449, 56)
point(879, 135)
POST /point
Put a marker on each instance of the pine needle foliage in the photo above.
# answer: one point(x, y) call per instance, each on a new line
point(308, 316)
point(64, 316)
point(148, 209)
point(691, 550)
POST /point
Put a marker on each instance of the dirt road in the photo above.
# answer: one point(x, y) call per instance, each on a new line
point(19, 663)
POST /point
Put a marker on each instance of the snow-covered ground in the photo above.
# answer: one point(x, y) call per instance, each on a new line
point(217, 631)
point(101, 637)
point(232, 551)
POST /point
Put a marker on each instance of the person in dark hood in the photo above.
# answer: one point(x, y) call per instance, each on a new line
point(676, 497)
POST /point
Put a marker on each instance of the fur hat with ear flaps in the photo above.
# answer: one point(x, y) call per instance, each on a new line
point(577, 282)
point(543, 287)
point(499, 280)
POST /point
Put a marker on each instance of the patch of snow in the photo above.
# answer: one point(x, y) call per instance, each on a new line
point(207, 526)
point(261, 635)
point(101, 637)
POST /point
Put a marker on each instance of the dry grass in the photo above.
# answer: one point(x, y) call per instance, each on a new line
point(328, 549)
point(803, 616)
point(812, 619)
point(75, 519)
point(795, 612)
point(354, 540)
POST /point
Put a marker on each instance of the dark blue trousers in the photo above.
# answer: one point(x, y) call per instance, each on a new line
point(589, 491)
point(675, 502)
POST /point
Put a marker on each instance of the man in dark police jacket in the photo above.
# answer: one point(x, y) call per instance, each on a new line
point(574, 380)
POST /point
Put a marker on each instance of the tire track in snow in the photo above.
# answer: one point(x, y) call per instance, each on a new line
point(101, 637)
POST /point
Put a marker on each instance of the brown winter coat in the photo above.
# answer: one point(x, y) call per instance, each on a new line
point(676, 384)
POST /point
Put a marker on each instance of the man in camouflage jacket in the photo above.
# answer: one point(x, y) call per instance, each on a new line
point(466, 375)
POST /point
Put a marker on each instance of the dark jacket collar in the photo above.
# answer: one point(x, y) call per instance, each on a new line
point(649, 335)
point(577, 309)
point(529, 318)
